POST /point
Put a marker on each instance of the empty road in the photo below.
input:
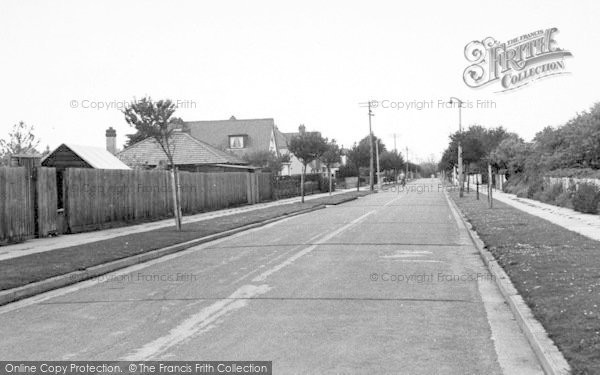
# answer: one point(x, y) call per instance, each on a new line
point(389, 283)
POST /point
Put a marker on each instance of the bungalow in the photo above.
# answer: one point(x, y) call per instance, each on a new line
point(190, 154)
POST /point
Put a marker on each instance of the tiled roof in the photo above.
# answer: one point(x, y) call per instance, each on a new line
point(281, 139)
point(188, 151)
point(217, 132)
point(96, 157)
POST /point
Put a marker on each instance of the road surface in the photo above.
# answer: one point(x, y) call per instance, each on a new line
point(389, 283)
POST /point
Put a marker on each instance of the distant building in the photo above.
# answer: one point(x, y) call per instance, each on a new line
point(246, 136)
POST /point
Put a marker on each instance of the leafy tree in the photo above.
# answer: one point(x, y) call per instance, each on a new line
point(355, 159)
point(511, 155)
point(330, 157)
point(155, 120)
point(391, 161)
point(267, 160)
point(21, 140)
point(307, 147)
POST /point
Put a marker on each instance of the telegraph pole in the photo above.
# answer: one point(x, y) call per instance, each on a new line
point(460, 161)
point(370, 150)
point(371, 114)
point(378, 175)
point(406, 162)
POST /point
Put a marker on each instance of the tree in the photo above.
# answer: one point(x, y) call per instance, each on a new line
point(355, 159)
point(307, 147)
point(330, 157)
point(511, 155)
point(267, 160)
point(21, 140)
point(155, 120)
point(391, 161)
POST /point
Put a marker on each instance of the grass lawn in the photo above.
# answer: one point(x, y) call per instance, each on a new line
point(35, 267)
point(555, 270)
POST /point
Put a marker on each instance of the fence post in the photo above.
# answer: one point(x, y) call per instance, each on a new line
point(491, 200)
point(249, 188)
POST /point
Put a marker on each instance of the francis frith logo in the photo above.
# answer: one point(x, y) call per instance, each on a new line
point(515, 63)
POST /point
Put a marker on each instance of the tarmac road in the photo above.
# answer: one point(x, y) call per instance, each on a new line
point(389, 283)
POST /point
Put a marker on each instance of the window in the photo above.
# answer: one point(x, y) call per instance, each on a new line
point(236, 141)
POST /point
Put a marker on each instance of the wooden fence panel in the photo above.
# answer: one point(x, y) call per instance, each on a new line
point(47, 205)
point(16, 205)
point(265, 187)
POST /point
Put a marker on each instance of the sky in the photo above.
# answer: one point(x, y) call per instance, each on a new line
point(303, 62)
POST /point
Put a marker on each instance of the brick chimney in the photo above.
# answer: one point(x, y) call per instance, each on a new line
point(111, 140)
point(302, 129)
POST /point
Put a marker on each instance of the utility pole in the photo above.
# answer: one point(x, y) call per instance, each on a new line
point(460, 161)
point(407, 162)
point(370, 150)
point(378, 175)
point(395, 149)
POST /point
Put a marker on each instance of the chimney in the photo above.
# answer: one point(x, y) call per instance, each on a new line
point(111, 140)
point(302, 129)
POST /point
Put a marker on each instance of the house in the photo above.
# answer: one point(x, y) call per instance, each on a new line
point(69, 155)
point(246, 136)
point(190, 154)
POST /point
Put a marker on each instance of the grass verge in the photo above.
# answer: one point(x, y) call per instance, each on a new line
point(556, 271)
point(27, 269)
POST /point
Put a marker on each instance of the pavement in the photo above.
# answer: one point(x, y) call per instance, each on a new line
point(582, 223)
point(390, 284)
point(38, 245)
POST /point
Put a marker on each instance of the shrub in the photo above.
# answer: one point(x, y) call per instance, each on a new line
point(551, 192)
point(586, 198)
point(536, 186)
point(565, 199)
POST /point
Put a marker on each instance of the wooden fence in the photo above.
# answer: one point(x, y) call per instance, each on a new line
point(96, 199)
point(92, 199)
point(27, 203)
point(16, 213)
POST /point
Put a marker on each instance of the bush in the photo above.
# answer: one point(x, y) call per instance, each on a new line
point(550, 193)
point(586, 198)
point(535, 188)
point(565, 199)
point(346, 171)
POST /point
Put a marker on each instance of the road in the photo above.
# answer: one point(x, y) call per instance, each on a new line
point(389, 283)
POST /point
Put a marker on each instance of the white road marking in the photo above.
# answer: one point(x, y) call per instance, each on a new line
point(200, 322)
point(124, 271)
point(307, 250)
point(206, 318)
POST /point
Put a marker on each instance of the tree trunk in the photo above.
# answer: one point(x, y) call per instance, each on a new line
point(329, 176)
point(175, 199)
point(302, 182)
point(178, 196)
point(490, 198)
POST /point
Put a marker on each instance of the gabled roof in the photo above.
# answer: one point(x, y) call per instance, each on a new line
point(281, 140)
point(217, 132)
point(96, 157)
point(188, 151)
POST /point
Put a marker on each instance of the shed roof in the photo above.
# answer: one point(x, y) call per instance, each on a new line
point(96, 157)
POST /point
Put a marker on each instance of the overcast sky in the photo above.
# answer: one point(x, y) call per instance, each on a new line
point(303, 62)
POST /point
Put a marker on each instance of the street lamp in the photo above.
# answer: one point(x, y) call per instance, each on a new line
point(460, 166)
